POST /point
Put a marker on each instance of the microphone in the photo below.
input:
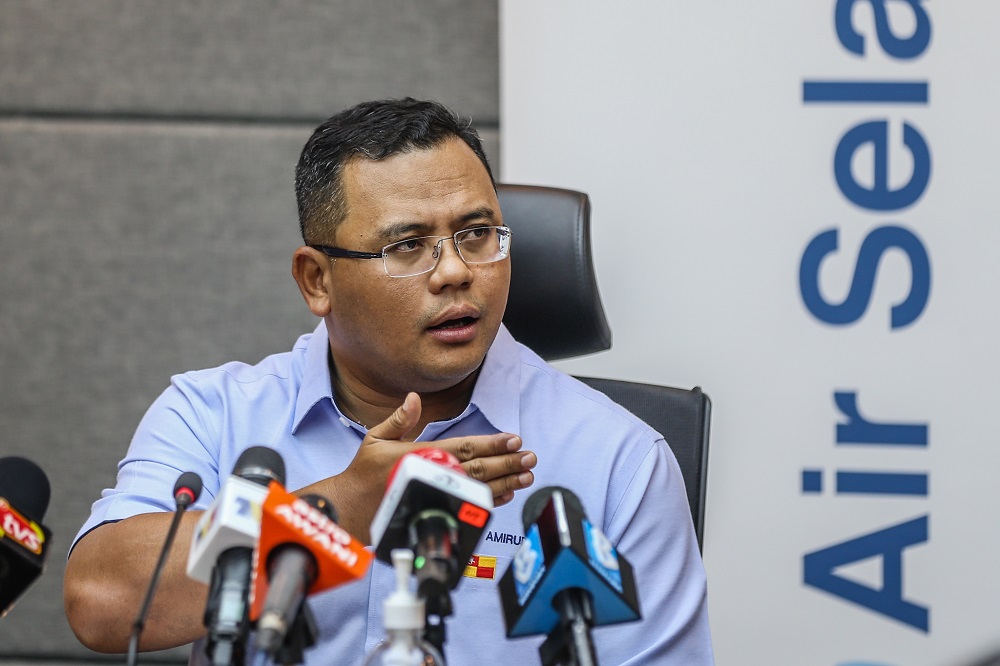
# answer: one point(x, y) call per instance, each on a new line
point(222, 551)
point(301, 551)
point(186, 492)
point(24, 541)
point(565, 579)
point(432, 508)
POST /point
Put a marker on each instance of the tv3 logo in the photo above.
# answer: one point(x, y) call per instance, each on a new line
point(525, 564)
point(602, 549)
point(247, 507)
point(19, 528)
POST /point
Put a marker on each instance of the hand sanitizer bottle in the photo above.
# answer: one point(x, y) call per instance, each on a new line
point(404, 621)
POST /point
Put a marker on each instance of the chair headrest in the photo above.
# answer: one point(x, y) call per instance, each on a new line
point(554, 305)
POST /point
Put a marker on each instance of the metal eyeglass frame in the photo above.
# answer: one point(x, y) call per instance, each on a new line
point(341, 253)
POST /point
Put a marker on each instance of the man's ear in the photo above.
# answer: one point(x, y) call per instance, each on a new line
point(311, 269)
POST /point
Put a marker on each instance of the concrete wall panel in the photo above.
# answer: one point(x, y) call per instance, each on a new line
point(254, 59)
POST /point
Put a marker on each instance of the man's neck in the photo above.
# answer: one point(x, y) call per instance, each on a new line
point(369, 407)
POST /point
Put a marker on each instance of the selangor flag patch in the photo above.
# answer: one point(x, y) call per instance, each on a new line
point(481, 566)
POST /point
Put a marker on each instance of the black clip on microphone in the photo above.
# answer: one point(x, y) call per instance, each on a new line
point(186, 492)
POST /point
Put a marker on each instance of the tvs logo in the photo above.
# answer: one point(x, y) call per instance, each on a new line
point(15, 526)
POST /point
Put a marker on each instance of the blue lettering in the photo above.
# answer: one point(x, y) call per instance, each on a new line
point(872, 248)
point(865, 92)
point(914, 484)
point(822, 568)
point(903, 49)
point(880, 196)
point(859, 430)
point(504, 537)
point(888, 543)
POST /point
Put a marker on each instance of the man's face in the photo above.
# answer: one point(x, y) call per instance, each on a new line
point(427, 332)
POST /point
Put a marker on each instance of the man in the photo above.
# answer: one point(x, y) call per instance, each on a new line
point(405, 261)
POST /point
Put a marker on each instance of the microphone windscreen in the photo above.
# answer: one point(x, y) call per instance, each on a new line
point(535, 504)
point(321, 504)
point(261, 465)
point(25, 487)
point(188, 488)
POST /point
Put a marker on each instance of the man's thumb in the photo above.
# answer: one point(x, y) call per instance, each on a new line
point(401, 421)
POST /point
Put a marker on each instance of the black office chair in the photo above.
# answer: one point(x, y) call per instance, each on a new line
point(555, 308)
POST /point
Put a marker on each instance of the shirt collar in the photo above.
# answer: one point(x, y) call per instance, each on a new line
point(496, 395)
point(498, 389)
point(316, 385)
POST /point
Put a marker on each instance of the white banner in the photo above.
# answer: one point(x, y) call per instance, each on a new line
point(794, 207)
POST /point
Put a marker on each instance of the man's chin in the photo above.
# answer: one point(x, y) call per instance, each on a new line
point(438, 378)
point(445, 366)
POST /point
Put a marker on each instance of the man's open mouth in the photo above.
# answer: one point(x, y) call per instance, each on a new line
point(454, 323)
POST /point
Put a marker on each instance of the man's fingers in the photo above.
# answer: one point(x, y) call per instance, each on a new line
point(493, 467)
point(401, 421)
point(496, 460)
point(480, 446)
point(504, 474)
point(506, 498)
point(505, 486)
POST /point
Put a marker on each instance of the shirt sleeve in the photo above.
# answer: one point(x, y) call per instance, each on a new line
point(649, 521)
point(174, 436)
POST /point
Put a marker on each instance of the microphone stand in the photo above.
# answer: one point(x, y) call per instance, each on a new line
point(301, 634)
point(570, 643)
point(438, 608)
point(186, 491)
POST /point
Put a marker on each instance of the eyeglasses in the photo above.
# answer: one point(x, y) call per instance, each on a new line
point(414, 256)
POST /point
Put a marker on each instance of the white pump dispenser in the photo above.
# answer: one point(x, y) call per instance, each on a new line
point(404, 618)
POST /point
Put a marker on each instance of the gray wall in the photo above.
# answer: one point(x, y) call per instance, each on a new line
point(147, 216)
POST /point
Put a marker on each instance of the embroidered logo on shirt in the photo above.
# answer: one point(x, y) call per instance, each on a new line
point(481, 566)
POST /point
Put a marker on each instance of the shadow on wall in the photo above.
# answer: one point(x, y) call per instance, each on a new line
point(993, 659)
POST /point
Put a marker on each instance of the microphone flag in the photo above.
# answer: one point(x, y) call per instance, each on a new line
point(288, 519)
point(419, 484)
point(24, 541)
point(232, 521)
point(563, 550)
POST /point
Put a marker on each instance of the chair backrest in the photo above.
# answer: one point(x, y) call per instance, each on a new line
point(555, 308)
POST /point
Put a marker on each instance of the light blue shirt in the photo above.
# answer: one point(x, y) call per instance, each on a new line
point(624, 473)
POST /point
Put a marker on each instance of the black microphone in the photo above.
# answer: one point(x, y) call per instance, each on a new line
point(186, 492)
point(565, 579)
point(24, 541)
point(222, 551)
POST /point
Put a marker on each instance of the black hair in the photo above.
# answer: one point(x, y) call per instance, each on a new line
point(374, 130)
